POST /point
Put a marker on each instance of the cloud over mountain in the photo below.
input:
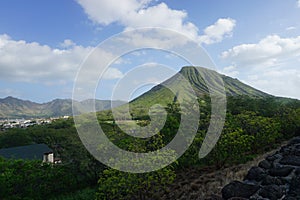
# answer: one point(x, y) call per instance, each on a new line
point(270, 64)
point(147, 13)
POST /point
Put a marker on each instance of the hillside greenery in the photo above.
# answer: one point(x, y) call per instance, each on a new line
point(255, 123)
point(253, 126)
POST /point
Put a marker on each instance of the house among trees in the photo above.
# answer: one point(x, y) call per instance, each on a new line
point(30, 152)
point(48, 157)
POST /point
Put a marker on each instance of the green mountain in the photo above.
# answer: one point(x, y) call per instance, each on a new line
point(161, 94)
point(11, 107)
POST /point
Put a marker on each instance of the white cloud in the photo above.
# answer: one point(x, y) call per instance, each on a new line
point(160, 38)
point(298, 3)
point(279, 82)
point(290, 28)
point(230, 71)
point(33, 62)
point(216, 32)
point(67, 43)
point(270, 65)
point(140, 13)
point(113, 73)
point(161, 16)
point(108, 11)
point(270, 51)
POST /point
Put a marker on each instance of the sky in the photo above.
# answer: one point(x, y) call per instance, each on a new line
point(45, 45)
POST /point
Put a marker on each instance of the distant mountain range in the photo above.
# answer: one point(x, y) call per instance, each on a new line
point(11, 107)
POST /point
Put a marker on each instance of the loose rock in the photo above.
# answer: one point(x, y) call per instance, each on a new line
point(265, 164)
point(283, 171)
point(272, 192)
point(255, 173)
point(290, 160)
point(238, 189)
point(276, 177)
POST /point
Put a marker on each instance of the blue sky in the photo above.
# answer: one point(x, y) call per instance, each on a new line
point(44, 43)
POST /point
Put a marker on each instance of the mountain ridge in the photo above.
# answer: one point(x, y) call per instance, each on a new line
point(12, 107)
point(160, 94)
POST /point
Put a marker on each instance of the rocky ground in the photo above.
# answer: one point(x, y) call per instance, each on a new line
point(275, 177)
point(260, 181)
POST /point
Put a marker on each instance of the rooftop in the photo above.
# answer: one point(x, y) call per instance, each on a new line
point(29, 152)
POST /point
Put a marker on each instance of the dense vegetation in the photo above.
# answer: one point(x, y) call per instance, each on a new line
point(26, 178)
point(253, 126)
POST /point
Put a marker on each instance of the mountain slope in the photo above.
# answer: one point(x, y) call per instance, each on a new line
point(160, 94)
point(15, 108)
point(11, 107)
point(233, 87)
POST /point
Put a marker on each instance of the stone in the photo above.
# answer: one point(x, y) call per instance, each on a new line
point(290, 198)
point(290, 160)
point(269, 180)
point(238, 189)
point(272, 192)
point(297, 172)
point(297, 147)
point(214, 197)
point(257, 197)
point(294, 190)
point(292, 151)
point(276, 177)
point(273, 157)
point(282, 171)
point(295, 140)
point(285, 149)
point(255, 173)
point(265, 164)
point(296, 151)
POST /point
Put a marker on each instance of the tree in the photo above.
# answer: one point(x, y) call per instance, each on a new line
point(14, 137)
point(266, 130)
point(114, 184)
point(24, 179)
point(232, 148)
